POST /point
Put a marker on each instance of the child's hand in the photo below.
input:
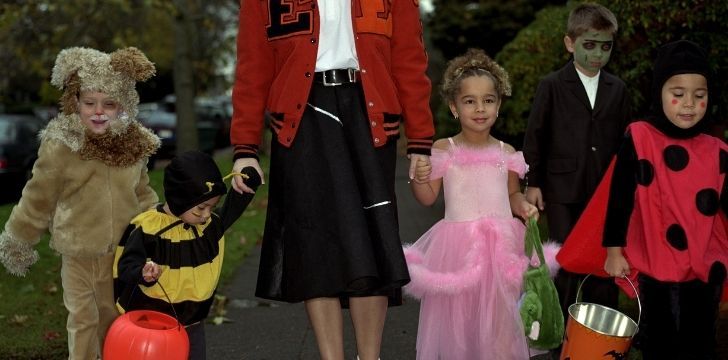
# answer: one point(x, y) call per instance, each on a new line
point(526, 210)
point(616, 265)
point(151, 271)
point(423, 170)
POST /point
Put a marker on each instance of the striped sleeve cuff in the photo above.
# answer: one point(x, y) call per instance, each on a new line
point(245, 151)
point(419, 146)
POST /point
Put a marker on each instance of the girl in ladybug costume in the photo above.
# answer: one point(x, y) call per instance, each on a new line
point(666, 210)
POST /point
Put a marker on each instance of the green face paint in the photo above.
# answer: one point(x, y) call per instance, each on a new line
point(592, 50)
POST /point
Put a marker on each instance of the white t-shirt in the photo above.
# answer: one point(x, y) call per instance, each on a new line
point(337, 49)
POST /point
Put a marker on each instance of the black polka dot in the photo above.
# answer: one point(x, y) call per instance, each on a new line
point(676, 157)
point(707, 202)
point(723, 161)
point(676, 237)
point(717, 273)
point(645, 172)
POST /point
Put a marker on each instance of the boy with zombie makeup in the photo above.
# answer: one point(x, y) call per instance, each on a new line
point(578, 117)
point(90, 179)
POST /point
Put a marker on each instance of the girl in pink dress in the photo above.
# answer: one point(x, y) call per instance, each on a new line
point(467, 269)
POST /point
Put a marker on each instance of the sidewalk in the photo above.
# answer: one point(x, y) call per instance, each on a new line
point(264, 329)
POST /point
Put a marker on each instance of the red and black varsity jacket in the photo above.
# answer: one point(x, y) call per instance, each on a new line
point(277, 46)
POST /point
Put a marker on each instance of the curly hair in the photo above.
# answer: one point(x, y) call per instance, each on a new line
point(475, 62)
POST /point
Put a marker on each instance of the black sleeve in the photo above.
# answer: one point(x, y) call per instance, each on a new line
point(133, 258)
point(724, 196)
point(235, 202)
point(535, 142)
point(621, 195)
point(626, 109)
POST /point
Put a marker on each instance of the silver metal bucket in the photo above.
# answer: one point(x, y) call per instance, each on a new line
point(598, 332)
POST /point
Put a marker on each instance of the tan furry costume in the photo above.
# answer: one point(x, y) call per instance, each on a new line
point(85, 189)
point(76, 188)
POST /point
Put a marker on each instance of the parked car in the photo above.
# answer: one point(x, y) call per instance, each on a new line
point(18, 151)
point(162, 120)
point(218, 110)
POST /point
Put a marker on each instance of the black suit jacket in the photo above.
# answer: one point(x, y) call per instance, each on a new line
point(568, 145)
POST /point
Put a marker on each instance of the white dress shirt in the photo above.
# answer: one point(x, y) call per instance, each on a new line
point(590, 85)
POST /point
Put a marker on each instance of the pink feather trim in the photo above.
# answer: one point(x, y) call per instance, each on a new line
point(424, 280)
point(550, 249)
point(509, 264)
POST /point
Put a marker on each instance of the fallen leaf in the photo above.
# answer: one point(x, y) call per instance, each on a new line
point(218, 305)
point(219, 320)
point(51, 288)
point(18, 319)
point(51, 335)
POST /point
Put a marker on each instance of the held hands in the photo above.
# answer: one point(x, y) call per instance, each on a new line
point(616, 264)
point(238, 183)
point(534, 196)
point(151, 271)
point(420, 168)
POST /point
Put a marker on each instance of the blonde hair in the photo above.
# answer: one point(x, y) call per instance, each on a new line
point(475, 62)
point(590, 16)
point(79, 69)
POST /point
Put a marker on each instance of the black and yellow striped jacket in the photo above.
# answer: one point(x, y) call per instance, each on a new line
point(190, 256)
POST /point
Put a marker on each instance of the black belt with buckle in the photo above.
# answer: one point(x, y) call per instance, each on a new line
point(336, 77)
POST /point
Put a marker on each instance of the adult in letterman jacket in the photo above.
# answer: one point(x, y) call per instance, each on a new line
point(335, 79)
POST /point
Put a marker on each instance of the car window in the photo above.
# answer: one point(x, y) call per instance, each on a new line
point(157, 118)
point(7, 131)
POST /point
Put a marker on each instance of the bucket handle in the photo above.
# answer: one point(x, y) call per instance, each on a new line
point(179, 323)
point(176, 317)
point(637, 295)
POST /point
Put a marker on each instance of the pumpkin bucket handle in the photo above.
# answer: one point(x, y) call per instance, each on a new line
point(179, 324)
point(176, 317)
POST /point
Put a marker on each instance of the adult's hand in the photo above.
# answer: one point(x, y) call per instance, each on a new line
point(238, 183)
point(414, 158)
point(534, 196)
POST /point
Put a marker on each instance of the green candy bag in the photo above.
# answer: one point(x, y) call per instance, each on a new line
point(540, 309)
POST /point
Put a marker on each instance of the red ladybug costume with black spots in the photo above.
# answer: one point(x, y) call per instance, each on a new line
point(675, 230)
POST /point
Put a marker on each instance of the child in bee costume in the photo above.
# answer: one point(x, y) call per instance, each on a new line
point(174, 252)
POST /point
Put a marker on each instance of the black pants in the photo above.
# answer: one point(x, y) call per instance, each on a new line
point(678, 319)
point(198, 344)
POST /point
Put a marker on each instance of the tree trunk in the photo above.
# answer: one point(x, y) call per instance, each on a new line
point(184, 86)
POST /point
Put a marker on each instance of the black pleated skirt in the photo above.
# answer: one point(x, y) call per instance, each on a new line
point(331, 228)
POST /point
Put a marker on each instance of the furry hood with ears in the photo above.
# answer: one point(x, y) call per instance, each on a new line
point(82, 69)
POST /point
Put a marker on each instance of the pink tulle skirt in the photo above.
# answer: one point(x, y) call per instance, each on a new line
point(468, 277)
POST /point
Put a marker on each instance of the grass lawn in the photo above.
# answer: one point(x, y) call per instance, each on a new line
point(32, 315)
